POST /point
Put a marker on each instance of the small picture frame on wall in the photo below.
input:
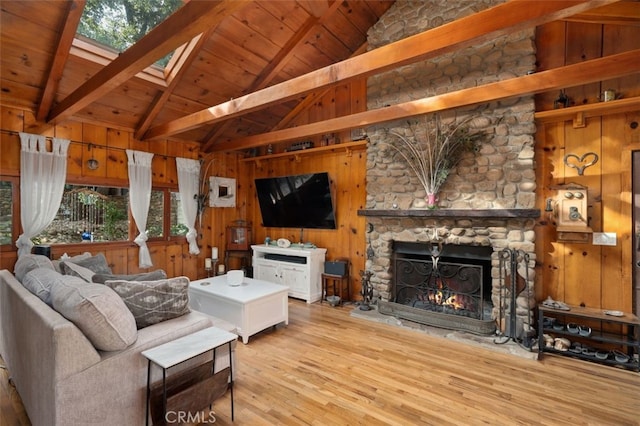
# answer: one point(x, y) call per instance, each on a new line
point(223, 192)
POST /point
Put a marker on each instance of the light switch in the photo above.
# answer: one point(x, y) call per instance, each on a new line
point(604, 239)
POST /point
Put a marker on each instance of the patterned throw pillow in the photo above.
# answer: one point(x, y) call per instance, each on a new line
point(152, 302)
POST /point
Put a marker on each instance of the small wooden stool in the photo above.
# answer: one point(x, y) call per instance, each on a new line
point(337, 281)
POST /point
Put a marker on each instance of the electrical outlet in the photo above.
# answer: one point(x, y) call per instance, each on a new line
point(604, 239)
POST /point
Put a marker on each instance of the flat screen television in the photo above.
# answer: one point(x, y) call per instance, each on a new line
point(298, 201)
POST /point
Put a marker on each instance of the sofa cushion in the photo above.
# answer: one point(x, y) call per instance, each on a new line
point(152, 302)
point(40, 281)
point(73, 269)
point(97, 311)
point(98, 263)
point(158, 274)
point(66, 257)
point(29, 262)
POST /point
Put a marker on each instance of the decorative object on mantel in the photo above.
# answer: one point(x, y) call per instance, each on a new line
point(581, 163)
point(431, 150)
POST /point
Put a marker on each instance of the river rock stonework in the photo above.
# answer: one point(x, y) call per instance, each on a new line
point(500, 175)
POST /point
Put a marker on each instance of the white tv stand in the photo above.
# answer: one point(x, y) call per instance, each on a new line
point(298, 268)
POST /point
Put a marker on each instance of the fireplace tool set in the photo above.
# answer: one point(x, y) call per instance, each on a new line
point(367, 291)
point(512, 284)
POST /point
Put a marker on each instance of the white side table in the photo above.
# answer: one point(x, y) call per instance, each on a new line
point(183, 349)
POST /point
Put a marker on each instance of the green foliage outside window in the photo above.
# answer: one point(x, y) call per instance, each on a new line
point(121, 23)
point(6, 213)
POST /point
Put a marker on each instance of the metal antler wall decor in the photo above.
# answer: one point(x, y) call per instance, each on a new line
point(202, 197)
point(580, 163)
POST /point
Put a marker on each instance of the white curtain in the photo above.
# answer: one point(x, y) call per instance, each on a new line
point(42, 178)
point(188, 181)
point(140, 198)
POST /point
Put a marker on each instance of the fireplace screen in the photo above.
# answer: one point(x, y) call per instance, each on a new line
point(447, 280)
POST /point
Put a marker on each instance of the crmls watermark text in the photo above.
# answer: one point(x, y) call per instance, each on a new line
point(189, 417)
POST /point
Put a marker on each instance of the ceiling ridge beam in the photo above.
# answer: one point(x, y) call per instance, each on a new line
point(190, 20)
point(608, 67)
point(479, 27)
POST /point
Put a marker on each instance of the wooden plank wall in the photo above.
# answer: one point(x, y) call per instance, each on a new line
point(582, 273)
point(347, 171)
point(346, 168)
point(107, 147)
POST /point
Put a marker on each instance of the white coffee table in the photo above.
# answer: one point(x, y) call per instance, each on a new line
point(251, 307)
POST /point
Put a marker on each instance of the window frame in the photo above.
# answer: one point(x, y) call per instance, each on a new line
point(16, 228)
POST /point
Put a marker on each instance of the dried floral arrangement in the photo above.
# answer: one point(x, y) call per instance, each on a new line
point(432, 149)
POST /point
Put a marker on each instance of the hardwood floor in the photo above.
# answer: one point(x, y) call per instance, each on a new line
point(328, 368)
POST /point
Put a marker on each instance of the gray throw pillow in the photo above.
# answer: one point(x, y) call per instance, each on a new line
point(98, 264)
point(152, 302)
point(158, 274)
point(70, 268)
point(29, 262)
point(97, 311)
point(40, 281)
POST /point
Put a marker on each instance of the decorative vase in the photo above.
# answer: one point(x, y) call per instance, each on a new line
point(432, 201)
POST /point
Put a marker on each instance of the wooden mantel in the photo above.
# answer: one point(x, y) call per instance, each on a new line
point(454, 213)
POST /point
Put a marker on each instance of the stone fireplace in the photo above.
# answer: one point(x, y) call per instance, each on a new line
point(488, 199)
point(479, 238)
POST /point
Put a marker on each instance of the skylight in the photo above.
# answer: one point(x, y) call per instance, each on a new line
point(118, 24)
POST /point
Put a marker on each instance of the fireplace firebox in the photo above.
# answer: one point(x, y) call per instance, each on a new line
point(447, 286)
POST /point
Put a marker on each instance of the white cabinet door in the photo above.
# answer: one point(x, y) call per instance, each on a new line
point(268, 272)
point(295, 278)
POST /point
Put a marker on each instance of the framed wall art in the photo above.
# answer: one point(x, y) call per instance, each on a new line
point(223, 192)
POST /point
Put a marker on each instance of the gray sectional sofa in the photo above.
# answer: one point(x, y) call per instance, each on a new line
point(60, 375)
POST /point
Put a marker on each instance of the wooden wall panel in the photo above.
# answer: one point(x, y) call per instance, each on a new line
point(92, 134)
point(347, 174)
point(109, 151)
point(116, 161)
point(619, 38)
point(12, 119)
point(583, 273)
point(615, 215)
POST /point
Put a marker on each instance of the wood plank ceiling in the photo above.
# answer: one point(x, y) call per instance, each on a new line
point(245, 65)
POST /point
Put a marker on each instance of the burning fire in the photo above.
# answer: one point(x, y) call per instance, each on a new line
point(454, 301)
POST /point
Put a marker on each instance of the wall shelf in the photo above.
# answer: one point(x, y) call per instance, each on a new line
point(348, 147)
point(580, 112)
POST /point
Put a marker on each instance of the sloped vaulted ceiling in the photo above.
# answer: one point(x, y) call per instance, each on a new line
point(245, 65)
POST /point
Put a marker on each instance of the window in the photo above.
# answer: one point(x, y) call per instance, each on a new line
point(89, 213)
point(118, 24)
point(6, 212)
point(178, 227)
point(99, 214)
point(155, 218)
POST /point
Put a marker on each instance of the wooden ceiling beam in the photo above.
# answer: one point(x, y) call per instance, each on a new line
point(477, 28)
point(606, 68)
point(190, 20)
point(275, 66)
point(71, 21)
point(620, 13)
